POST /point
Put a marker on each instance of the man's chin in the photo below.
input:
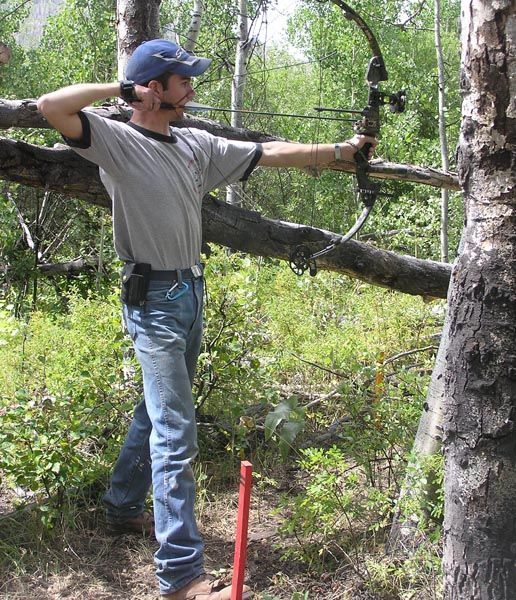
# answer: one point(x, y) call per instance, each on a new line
point(176, 114)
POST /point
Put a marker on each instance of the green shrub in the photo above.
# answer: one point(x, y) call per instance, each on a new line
point(234, 369)
point(341, 324)
point(335, 510)
point(64, 403)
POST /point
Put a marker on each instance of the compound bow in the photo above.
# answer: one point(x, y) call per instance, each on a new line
point(302, 258)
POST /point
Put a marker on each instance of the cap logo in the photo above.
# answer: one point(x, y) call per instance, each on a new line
point(191, 60)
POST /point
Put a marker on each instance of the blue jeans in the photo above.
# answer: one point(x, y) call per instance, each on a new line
point(166, 332)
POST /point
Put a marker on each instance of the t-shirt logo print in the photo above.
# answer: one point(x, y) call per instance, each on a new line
point(194, 170)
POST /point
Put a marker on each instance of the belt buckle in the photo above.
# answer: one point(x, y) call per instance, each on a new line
point(196, 271)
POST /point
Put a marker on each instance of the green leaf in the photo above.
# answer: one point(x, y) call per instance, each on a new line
point(274, 418)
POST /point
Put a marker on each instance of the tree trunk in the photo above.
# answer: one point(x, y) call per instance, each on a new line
point(195, 26)
point(235, 192)
point(445, 163)
point(137, 21)
point(5, 54)
point(480, 381)
point(405, 534)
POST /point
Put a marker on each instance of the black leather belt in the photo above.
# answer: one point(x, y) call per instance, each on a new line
point(173, 276)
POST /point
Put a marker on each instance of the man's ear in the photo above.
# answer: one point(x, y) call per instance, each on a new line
point(155, 86)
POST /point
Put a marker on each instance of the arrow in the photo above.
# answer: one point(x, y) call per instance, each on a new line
point(195, 107)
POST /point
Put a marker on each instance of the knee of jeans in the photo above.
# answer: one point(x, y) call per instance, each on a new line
point(174, 479)
point(186, 453)
point(174, 453)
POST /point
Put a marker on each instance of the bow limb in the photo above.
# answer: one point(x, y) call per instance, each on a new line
point(369, 124)
point(352, 15)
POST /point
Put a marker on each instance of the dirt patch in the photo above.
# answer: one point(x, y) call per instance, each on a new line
point(82, 562)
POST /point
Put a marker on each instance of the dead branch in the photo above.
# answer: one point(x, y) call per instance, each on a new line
point(23, 113)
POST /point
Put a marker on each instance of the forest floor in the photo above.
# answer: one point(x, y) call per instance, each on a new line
point(82, 562)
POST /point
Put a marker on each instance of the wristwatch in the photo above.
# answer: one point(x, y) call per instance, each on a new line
point(127, 92)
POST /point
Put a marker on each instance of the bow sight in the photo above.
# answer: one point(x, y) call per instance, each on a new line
point(302, 258)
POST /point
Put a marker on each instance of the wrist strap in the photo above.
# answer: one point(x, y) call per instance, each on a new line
point(127, 92)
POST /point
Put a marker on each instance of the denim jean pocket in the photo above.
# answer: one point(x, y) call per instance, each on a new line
point(156, 296)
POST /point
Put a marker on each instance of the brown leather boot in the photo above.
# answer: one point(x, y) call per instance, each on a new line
point(143, 525)
point(205, 588)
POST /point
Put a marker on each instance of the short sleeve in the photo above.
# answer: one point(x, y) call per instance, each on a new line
point(226, 161)
point(100, 143)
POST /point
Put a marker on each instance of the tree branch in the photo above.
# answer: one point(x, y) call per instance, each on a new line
point(21, 220)
point(62, 170)
point(23, 113)
point(71, 267)
point(248, 231)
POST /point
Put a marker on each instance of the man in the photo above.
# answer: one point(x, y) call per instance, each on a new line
point(156, 177)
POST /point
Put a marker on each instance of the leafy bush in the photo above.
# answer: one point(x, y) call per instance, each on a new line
point(341, 325)
point(417, 576)
point(64, 403)
point(284, 423)
point(234, 370)
point(375, 349)
point(335, 508)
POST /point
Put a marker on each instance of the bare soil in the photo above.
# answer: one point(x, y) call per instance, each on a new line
point(79, 561)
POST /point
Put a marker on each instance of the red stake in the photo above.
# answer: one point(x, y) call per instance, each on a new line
point(244, 500)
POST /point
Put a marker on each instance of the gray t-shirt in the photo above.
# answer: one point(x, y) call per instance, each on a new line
point(157, 182)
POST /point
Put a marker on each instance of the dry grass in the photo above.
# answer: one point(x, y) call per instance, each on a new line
point(82, 562)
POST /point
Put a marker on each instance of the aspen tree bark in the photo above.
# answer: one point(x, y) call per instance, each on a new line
point(136, 22)
point(5, 54)
point(235, 191)
point(479, 433)
point(445, 163)
point(195, 26)
point(405, 534)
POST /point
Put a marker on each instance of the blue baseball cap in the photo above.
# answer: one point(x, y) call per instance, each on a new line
point(156, 57)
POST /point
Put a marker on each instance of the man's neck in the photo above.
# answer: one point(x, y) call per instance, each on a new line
point(159, 122)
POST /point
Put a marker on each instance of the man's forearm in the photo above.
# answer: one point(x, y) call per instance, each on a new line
point(317, 156)
point(61, 108)
point(70, 100)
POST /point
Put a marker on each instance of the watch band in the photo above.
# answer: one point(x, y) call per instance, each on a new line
point(127, 92)
point(338, 155)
